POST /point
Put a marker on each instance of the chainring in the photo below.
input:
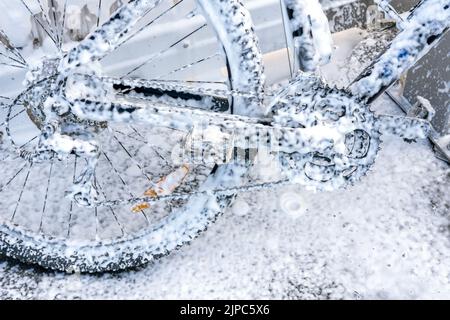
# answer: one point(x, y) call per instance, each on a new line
point(310, 104)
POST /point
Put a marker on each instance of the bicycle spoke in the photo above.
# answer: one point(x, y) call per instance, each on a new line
point(44, 13)
point(28, 142)
point(286, 40)
point(129, 136)
point(6, 106)
point(152, 147)
point(116, 171)
point(71, 202)
point(190, 81)
point(96, 220)
point(187, 66)
point(39, 23)
point(131, 157)
point(63, 23)
point(153, 57)
point(143, 141)
point(122, 229)
point(7, 44)
point(55, 21)
point(21, 192)
point(99, 11)
point(46, 197)
point(12, 178)
point(11, 118)
point(148, 24)
point(12, 59)
point(47, 18)
point(123, 20)
point(22, 146)
point(12, 65)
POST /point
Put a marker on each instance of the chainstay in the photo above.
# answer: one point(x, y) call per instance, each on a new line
point(172, 86)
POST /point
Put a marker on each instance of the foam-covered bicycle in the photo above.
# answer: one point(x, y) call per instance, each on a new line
point(107, 166)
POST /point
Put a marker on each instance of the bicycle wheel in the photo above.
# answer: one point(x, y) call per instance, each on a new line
point(206, 44)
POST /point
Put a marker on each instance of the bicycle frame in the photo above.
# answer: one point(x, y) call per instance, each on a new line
point(420, 33)
point(326, 138)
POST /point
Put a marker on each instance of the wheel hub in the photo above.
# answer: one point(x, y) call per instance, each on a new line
point(43, 92)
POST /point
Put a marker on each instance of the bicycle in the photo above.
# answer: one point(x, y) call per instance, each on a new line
point(80, 139)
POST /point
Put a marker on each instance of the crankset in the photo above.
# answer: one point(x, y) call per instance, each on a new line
point(321, 137)
point(324, 138)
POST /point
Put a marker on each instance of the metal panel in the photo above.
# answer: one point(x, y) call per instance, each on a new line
point(430, 78)
point(404, 5)
point(348, 14)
